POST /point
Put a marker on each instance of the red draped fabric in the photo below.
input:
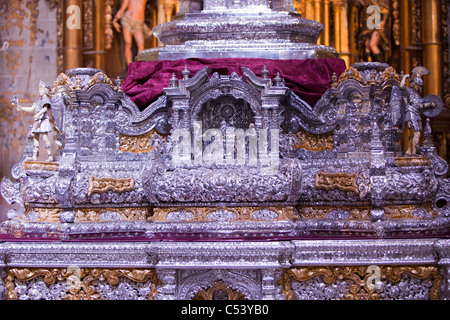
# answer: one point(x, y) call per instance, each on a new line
point(308, 78)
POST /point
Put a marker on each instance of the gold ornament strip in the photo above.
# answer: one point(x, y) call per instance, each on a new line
point(360, 278)
point(139, 144)
point(412, 161)
point(43, 215)
point(126, 214)
point(79, 280)
point(40, 166)
point(363, 213)
point(322, 212)
point(101, 185)
point(407, 212)
point(314, 142)
point(337, 180)
point(231, 214)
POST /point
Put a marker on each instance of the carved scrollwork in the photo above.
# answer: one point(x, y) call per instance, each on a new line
point(336, 180)
point(352, 73)
point(141, 144)
point(204, 214)
point(101, 185)
point(75, 283)
point(244, 184)
point(100, 77)
point(313, 142)
point(359, 283)
point(334, 213)
point(111, 214)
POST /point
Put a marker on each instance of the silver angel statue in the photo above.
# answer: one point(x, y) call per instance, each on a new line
point(406, 105)
point(47, 119)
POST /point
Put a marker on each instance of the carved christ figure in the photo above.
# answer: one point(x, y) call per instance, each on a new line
point(132, 19)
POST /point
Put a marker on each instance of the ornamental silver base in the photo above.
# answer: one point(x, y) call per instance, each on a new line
point(318, 269)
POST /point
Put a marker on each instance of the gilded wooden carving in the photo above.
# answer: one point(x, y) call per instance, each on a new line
point(412, 161)
point(41, 165)
point(202, 214)
point(139, 144)
point(336, 180)
point(101, 185)
point(80, 280)
point(324, 212)
point(360, 279)
point(314, 142)
point(111, 214)
point(352, 73)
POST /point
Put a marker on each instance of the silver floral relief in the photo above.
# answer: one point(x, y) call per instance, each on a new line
point(205, 185)
point(407, 288)
point(125, 290)
point(10, 191)
point(38, 289)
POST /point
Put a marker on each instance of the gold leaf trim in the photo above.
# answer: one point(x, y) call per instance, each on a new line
point(138, 144)
point(201, 214)
point(336, 180)
point(352, 73)
point(126, 214)
point(322, 212)
point(314, 142)
point(102, 185)
point(83, 290)
point(412, 161)
point(41, 166)
point(359, 276)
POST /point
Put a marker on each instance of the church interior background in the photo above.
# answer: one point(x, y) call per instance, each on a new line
point(36, 45)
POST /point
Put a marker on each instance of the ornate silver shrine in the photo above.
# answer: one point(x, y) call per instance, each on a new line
point(231, 186)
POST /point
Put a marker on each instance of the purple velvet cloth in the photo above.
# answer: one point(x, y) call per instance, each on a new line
point(308, 78)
